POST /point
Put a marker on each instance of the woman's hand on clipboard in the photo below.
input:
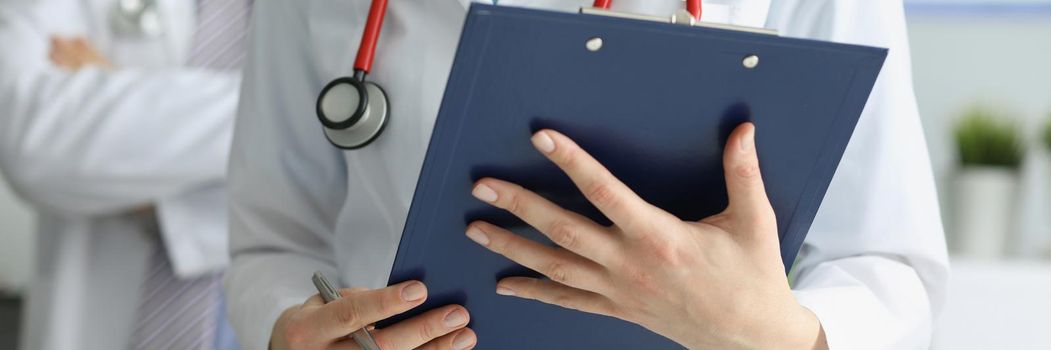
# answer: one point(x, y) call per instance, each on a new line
point(715, 284)
point(317, 325)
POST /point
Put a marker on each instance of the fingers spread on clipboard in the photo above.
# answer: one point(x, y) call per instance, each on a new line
point(611, 196)
point(431, 326)
point(555, 263)
point(459, 340)
point(569, 230)
point(360, 309)
point(555, 293)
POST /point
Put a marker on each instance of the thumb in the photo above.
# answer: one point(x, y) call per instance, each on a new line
point(744, 182)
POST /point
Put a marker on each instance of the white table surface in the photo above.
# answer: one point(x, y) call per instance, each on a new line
point(997, 305)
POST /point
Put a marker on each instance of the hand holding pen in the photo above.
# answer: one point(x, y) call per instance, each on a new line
point(316, 324)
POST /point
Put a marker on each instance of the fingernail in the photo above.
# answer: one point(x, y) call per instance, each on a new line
point(484, 193)
point(543, 142)
point(477, 236)
point(413, 292)
point(505, 291)
point(463, 340)
point(748, 139)
point(455, 319)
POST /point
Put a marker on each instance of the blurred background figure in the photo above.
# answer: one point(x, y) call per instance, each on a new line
point(115, 124)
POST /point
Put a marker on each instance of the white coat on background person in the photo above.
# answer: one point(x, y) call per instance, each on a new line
point(88, 147)
point(873, 268)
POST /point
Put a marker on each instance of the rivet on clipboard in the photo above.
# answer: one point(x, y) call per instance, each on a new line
point(594, 44)
point(750, 61)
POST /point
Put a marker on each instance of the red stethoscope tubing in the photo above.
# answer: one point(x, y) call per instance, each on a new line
point(367, 50)
point(692, 6)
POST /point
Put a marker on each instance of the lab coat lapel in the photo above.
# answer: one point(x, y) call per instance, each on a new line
point(179, 18)
point(750, 13)
point(98, 27)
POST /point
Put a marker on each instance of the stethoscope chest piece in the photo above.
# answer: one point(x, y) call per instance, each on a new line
point(136, 18)
point(352, 112)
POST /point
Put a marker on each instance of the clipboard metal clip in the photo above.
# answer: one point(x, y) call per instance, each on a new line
point(681, 17)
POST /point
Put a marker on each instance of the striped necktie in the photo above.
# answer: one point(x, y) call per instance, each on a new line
point(219, 41)
point(176, 313)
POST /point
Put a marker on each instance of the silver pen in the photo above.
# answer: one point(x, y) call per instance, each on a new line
point(330, 294)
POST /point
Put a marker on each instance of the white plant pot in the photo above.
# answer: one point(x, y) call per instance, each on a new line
point(984, 216)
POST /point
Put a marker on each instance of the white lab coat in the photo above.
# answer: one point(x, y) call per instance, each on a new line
point(873, 268)
point(88, 147)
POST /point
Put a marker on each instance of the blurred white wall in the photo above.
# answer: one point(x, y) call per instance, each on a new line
point(16, 241)
point(996, 55)
point(996, 305)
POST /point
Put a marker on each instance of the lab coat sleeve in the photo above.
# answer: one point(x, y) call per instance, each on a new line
point(92, 141)
point(874, 266)
point(287, 183)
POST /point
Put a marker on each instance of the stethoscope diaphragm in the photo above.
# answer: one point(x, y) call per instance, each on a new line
point(354, 113)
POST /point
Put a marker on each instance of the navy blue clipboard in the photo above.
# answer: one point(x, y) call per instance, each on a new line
point(655, 105)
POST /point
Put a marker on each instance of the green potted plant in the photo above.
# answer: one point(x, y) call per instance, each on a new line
point(1047, 135)
point(991, 151)
point(1042, 244)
